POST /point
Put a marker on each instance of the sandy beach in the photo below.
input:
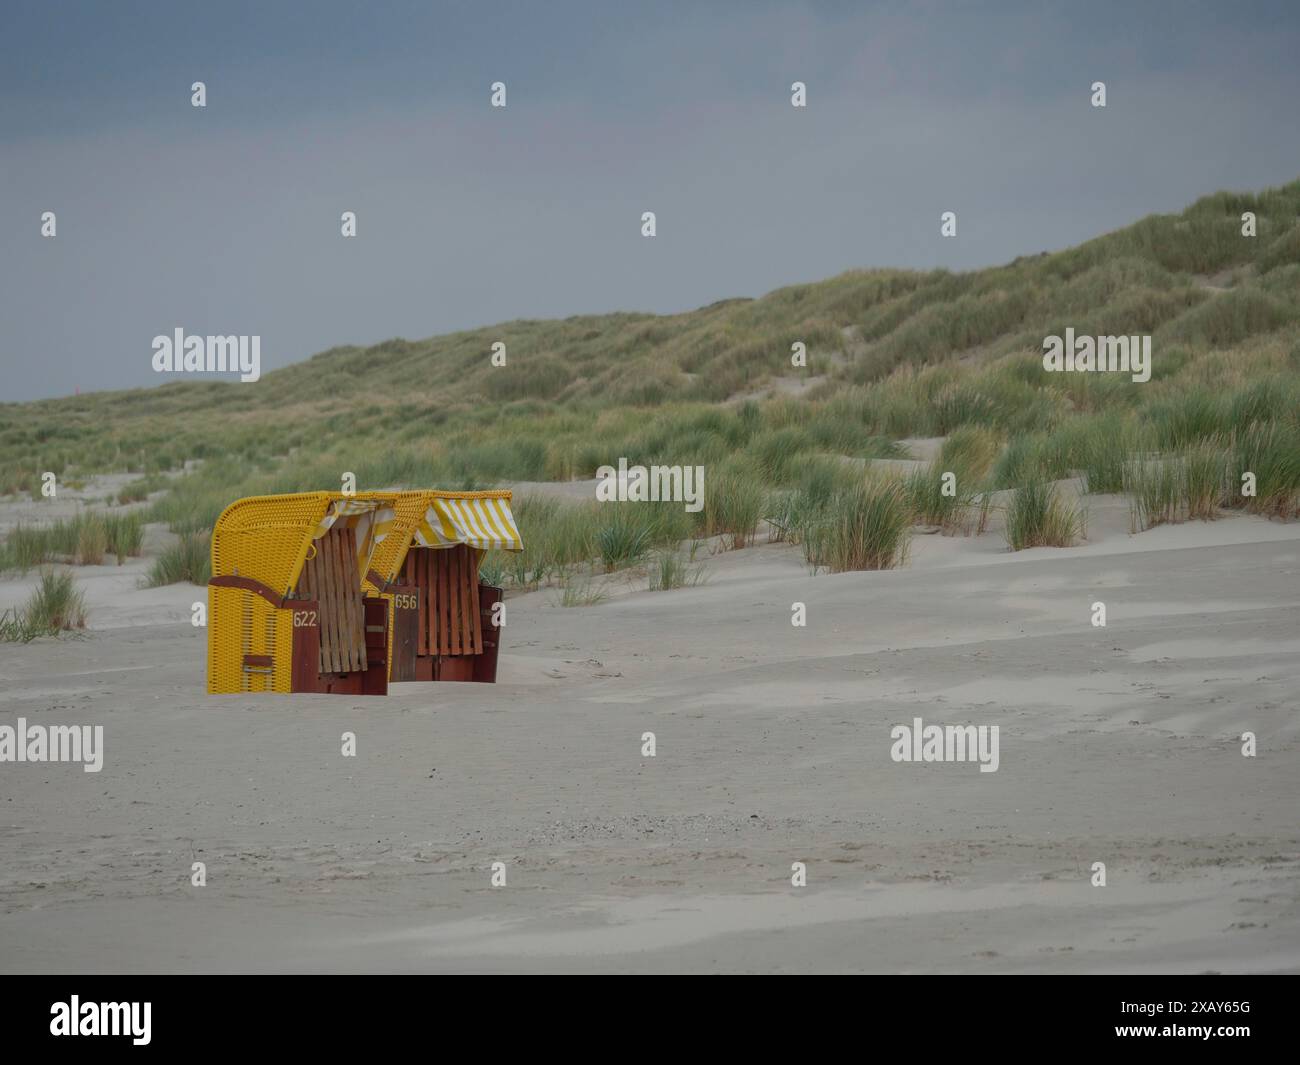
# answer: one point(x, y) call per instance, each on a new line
point(1119, 745)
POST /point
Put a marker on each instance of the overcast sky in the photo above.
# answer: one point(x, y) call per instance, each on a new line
point(226, 219)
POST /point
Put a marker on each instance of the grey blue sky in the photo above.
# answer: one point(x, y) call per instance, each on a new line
point(226, 219)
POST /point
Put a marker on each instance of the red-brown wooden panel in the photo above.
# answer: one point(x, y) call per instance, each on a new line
point(485, 664)
point(304, 670)
point(406, 617)
point(374, 619)
point(304, 582)
point(339, 601)
point(439, 562)
point(420, 578)
point(349, 653)
point(456, 598)
point(444, 607)
point(456, 667)
point(311, 587)
point(360, 638)
point(359, 599)
point(437, 599)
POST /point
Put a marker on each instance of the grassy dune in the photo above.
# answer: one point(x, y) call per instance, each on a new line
point(891, 354)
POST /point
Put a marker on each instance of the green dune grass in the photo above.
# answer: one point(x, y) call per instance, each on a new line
point(892, 354)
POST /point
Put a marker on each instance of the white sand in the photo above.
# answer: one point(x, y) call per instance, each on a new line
point(1118, 745)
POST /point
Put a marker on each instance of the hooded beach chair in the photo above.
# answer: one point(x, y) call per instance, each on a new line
point(286, 610)
point(441, 615)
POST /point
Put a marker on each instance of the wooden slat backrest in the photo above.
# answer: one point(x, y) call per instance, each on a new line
point(444, 601)
point(347, 654)
point(331, 578)
point(440, 575)
point(356, 624)
point(334, 604)
point(347, 651)
point(353, 607)
point(446, 582)
point(453, 599)
point(358, 604)
point(420, 578)
point(329, 603)
point(431, 571)
point(436, 627)
point(321, 592)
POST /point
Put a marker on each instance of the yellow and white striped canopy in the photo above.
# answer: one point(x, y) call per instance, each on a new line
point(370, 519)
point(482, 521)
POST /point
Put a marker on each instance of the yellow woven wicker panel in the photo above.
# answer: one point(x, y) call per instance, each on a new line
point(224, 626)
point(241, 622)
point(408, 508)
point(266, 537)
point(283, 654)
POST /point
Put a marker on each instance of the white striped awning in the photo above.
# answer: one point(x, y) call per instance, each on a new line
point(481, 521)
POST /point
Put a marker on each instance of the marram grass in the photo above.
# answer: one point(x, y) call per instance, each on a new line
point(57, 604)
point(863, 527)
point(1037, 516)
point(892, 354)
point(189, 559)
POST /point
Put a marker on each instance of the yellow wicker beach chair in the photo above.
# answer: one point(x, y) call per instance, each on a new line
point(286, 608)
